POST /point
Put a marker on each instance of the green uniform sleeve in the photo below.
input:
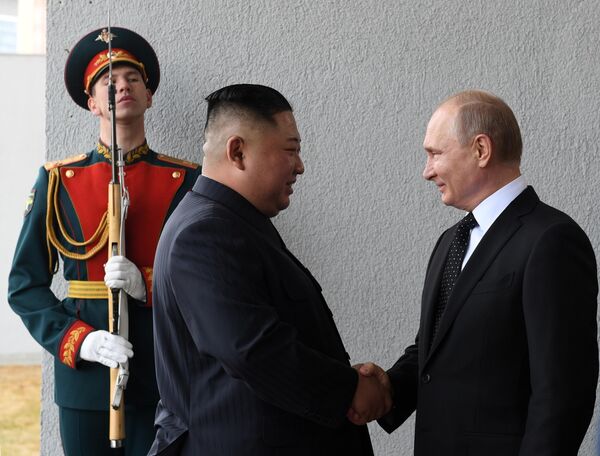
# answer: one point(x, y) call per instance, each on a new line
point(46, 317)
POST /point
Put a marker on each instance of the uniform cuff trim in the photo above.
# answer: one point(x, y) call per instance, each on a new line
point(71, 342)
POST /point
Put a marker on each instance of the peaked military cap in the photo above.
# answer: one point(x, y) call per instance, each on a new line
point(88, 60)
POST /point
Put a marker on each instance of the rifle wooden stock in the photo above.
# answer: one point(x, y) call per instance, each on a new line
point(116, 417)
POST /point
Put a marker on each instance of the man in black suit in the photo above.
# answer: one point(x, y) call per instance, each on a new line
point(506, 359)
point(249, 360)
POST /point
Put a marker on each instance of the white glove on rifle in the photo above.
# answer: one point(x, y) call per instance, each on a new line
point(106, 348)
point(123, 274)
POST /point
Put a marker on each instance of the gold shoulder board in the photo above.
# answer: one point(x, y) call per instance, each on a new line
point(177, 161)
point(65, 161)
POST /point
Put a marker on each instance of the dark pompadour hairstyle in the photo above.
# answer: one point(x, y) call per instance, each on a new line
point(250, 100)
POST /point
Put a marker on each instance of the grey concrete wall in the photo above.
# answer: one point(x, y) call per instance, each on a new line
point(364, 77)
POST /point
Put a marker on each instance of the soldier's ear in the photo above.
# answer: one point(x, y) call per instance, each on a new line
point(148, 98)
point(92, 106)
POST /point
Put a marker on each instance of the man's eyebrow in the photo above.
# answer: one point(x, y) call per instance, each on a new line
point(126, 73)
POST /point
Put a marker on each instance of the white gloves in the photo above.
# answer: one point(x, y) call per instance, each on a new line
point(101, 346)
point(106, 348)
point(122, 273)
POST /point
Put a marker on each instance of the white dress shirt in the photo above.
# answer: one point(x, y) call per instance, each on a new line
point(490, 209)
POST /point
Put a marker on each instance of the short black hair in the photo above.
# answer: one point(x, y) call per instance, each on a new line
point(258, 101)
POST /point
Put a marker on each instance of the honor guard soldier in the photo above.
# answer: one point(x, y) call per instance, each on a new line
point(66, 217)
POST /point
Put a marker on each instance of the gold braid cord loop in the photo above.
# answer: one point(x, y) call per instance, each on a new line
point(99, 237)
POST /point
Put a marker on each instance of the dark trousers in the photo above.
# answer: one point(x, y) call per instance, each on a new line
point(85, 432)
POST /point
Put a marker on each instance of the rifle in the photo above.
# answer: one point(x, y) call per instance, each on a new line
point(118, 202)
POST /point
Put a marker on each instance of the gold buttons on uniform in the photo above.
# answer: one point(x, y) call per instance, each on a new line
point(70, 173)
point(176, 174)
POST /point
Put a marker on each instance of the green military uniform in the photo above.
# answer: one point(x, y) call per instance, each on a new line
point(66, 216)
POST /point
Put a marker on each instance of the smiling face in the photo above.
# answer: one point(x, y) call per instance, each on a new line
point(132, 98)
point(272, 163)
point(453, 167)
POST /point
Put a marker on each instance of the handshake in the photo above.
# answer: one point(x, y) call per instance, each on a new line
point(373, 395)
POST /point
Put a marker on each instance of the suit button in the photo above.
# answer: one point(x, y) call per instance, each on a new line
point(426, 378)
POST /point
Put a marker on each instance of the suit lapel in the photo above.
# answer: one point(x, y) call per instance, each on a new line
point(505, 226)
point(431, 290)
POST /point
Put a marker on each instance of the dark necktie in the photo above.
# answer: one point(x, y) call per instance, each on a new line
point(452, 268)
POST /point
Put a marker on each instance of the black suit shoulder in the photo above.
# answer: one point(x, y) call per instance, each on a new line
point(545, 216)
point(546, 225)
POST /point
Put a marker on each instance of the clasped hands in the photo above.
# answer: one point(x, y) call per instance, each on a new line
point(373, 395)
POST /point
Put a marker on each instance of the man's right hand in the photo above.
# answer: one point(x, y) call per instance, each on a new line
point(373, 396)
point(106, 348)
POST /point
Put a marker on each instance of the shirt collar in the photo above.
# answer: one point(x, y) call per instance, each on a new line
point(490, 208)
point(130, 157)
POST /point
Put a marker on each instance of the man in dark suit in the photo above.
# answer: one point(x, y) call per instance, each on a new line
point(249, 360)
point(506, 359)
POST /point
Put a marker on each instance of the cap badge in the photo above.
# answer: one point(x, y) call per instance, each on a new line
point(105, 36)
